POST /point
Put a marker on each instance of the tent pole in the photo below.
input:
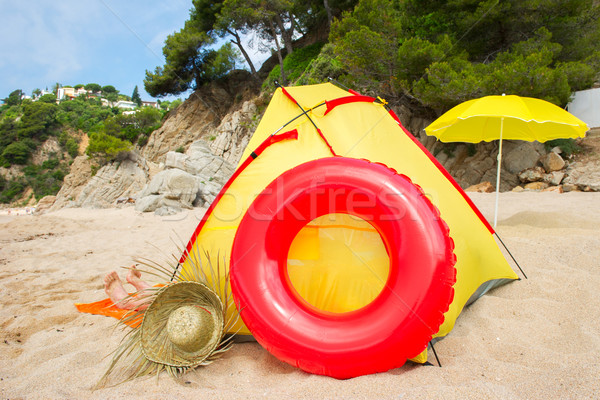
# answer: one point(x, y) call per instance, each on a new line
point(498, 173)
point(511, 256)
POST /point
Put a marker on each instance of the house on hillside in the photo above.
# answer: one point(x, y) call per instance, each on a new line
point(65, 93)
point(152, 104)
point(128, 105)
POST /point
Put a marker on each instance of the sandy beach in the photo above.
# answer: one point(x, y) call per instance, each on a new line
point(531, 339)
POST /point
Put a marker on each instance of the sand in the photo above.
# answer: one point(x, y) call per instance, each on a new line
point(532, 339)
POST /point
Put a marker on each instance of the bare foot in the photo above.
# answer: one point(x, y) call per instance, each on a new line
point(134, 276)
point(114, 288)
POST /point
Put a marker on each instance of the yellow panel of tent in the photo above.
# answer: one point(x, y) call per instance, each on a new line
point(364, 130)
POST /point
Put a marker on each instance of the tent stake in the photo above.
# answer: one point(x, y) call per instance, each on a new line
point(435, 354)
point(511, 256)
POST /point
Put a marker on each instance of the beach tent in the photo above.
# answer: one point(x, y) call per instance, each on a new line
point(337, 263)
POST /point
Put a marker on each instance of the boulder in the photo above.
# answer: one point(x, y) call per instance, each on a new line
point(234, 132)
point(536, 186)
point(552, 162)
point(124, 177)
point(483, 187)
point(554, 178)
point(190, 180)
point(555, 189)
point(534, 174)
point(583, 176)
point(44, 204)
point(171, 184)
point(523, 156)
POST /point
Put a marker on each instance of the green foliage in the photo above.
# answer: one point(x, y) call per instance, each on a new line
point(295, 64)
point(14, 98)
point(567, 146)
point(11, 189)
point(444, 53)
point(109, 89)
point(94, 87)
point(48, 98)
point(72, 147)
point(45, 179)
point(17, 153)
point(135, 97)
point(106, 146)
point(37, 120)
point(185, 53)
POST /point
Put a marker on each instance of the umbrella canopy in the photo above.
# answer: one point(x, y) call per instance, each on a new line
point(523, 118)
point(505, 117)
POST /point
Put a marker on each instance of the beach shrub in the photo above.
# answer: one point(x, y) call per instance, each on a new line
point(567, 146)
point(106, 146)
point(10, 190)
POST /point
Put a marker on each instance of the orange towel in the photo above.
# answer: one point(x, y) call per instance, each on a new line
point(106, 307)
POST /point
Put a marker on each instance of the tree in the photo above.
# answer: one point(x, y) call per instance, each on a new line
point(109, 89)
point(14, 98)
point(36, 92)
point(190, 63)
point(93, 87)
point(48, 98)
point(444, 53)
point(135, 97)
point(16, 153)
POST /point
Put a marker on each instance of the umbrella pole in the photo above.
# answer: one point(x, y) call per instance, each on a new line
point(498, 173)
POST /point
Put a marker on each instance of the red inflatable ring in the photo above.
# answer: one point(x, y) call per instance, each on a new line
point(394, 327)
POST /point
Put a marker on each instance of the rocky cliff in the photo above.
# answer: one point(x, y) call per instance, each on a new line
point(191, 156)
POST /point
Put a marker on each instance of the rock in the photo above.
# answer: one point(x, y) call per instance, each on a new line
point(536, 186)
point(44, 204)
point(569, 187)
point(14, 171)
point(74, 182)
point(148, 203)
point(554, 178)
point(49, 149)
point(122, 178)
point(234, 132)
point(483, 187)
point(557, 189)
point(534, 174)
point(192, 179)
point(552, 162)
point(199, 116)
point(172, 184)
point(517, 189)
point(523, 156)
point(557, 150)
point(583, 176)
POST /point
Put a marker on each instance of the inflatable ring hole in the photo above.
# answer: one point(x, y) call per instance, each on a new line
point(338, 263)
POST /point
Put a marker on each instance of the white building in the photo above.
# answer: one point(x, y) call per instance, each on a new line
point(586, 106)
point(128, 105)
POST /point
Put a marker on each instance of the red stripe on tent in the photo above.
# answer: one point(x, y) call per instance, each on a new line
point(354, 92)
point(326, 142)
point(348, 99)
point(293, 134)
point(288, 95)
point(446, 173)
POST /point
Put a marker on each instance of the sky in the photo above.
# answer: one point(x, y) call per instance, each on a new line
point(109, 42)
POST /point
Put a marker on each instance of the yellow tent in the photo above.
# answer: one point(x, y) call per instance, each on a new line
point(341, 123)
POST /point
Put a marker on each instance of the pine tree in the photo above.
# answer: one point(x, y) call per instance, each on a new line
point(135, 97)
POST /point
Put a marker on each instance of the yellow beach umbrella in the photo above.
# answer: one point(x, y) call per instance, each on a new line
point(505, 117)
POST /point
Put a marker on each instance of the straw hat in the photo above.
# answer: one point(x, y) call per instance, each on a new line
point(183, 326)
